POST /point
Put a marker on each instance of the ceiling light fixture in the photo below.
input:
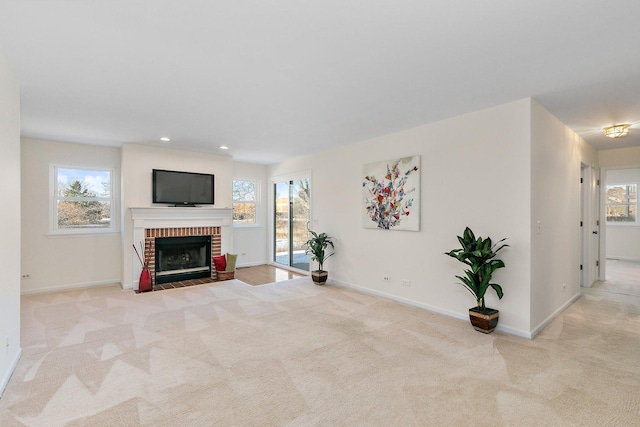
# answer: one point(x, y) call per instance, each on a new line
point(165, 139)
point(224, 147)
point(616, 131)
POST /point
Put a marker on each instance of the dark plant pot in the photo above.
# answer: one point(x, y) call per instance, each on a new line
point(484, 321)
point(319, 276)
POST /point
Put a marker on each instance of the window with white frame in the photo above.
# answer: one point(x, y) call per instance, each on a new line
point(82, 200)
point(621, 204)
point(245, 201)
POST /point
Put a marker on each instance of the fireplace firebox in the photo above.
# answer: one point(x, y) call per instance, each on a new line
point(182, 258)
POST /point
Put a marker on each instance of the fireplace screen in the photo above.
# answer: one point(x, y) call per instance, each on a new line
point(182, 258)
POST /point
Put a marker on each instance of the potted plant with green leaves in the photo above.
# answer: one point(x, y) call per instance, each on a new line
point(317, 247)
point(479, 254)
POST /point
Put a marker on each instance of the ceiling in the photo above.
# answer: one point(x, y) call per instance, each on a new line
point(273, 79)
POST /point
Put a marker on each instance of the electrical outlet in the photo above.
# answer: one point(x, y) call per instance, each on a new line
point(564, 285)
point(26, 276)
point(406, 282)
point(386, 278)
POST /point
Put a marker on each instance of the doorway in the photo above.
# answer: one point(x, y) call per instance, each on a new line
point(291, 221)
point(622, 243)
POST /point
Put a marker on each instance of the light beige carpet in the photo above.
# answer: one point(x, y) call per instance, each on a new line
point(296, 354)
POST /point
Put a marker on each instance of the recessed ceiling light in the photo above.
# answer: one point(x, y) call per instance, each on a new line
point(165, 139)
point(224, 147)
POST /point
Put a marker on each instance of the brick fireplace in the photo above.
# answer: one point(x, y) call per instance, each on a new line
point(150, 224)
point(153, 234)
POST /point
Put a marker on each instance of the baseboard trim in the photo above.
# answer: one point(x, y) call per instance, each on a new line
point(70, 287)
point(623, 258)
point(461, 316)
point(251, 264)
point(553, 315)
point(9, 373)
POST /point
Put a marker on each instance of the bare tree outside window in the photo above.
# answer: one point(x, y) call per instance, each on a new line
point(621, 203)
point(245, 199)
point(302, 193)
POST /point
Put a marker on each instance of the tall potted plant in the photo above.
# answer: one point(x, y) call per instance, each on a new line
point(480, 255)
point(317, 247)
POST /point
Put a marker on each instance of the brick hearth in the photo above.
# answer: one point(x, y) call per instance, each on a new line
point(152, 233)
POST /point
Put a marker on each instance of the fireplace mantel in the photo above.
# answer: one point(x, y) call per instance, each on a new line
point(157, 217)
point(177, 217)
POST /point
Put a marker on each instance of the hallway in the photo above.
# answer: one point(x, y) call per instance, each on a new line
point(623, 278)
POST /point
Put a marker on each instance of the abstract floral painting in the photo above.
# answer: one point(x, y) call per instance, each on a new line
point(391, 192)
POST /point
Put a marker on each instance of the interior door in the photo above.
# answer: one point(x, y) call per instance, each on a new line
point(584, 228)
point(594, 259)
point(589, 226)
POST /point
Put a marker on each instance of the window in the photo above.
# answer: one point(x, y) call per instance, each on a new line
point(621, 203)
point(245, 200)
point(82, 201)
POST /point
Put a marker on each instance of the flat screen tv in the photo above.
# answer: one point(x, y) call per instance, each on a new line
point(182, 188)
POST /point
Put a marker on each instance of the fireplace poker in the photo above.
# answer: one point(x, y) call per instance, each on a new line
point(140, 258)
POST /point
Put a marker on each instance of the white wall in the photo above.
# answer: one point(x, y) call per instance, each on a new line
point(63, 261)
point(250, 242)
point(137, 164)
point(622, 240)
point(9, 223)
point(474, 172)
point(556, 156)
point(618, 158)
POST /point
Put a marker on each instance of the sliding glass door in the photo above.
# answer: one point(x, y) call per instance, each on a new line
point(291, 222)
point(282, 228)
